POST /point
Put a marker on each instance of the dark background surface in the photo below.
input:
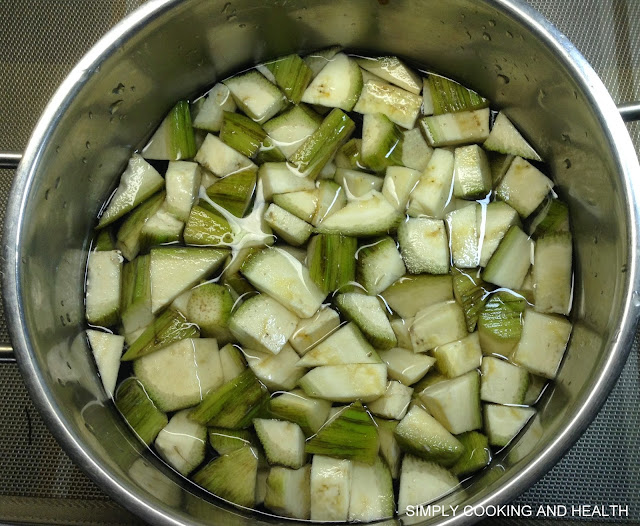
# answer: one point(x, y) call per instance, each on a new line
point(40, 41)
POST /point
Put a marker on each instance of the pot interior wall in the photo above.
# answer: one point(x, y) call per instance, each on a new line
point(184, 49)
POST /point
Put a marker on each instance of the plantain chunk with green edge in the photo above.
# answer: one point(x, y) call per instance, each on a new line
point(332, 261)
point(322, 145)
point(234, 192)
point(174, 138)
point(292, 76)
point(242, 134)
point(472, 292)
point(207, 227)
point(167, 328)
point(351, 435)
point(139, 411)
point(232, 476)
point(448, 96)
point(234, 405)
point(500, 323)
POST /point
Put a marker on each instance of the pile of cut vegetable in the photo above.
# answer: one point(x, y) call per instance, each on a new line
point(348, 289)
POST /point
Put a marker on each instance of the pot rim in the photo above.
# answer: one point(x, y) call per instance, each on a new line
point(131, 497)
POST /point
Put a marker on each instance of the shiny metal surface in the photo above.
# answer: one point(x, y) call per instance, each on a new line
point(172, 49)
point(6, 354)
point(9, 160)
point(629, 111)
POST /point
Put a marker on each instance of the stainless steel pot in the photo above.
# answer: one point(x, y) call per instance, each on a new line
point(168, 49)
